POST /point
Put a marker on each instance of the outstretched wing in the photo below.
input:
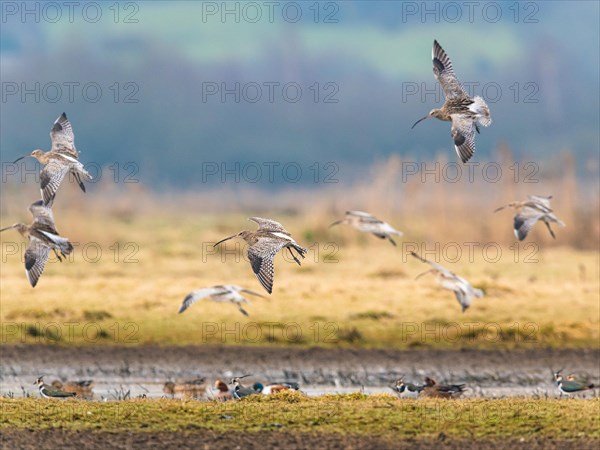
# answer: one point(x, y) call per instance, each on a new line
point(435, 265)
point(194, 296)
point(42, 216)
point(463, 298)
point(36, 257)
point(62, 136)
point(524, 220)
point(444, 73)
point(268, 225)
point(242, 289)
point(261, 256)
point(51, 177)
point(363, 216)
point(463, 134)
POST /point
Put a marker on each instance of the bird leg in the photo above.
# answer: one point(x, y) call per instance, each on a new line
point(57, 255)
point(294, 256)
point(550, 229)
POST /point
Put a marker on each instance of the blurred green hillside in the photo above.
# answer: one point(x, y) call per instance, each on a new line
point(540, 72)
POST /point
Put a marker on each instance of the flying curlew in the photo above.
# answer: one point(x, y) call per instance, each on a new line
point(47, 392)
point(43, 237)
point(229, 293)
point(529, 212)
point(465, 293)
point(434, 390)
point(368, 223)
point(459, 108)
point(263, 245)
point(60, 160)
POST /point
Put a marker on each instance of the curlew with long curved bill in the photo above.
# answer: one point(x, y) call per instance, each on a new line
point(60, 160)
point(263, 245)
point(368, 223)
point(465, 293)
point(43, 237)
point(228, 293)
point(464, 111)
point(529, 212)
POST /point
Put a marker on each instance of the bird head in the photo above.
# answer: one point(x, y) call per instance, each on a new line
point(433, 113)
point(20, 227)
point(242, 234)
point(429, 381)
point(39, 381)
point(558, 375)
point(34, 154)
point(236, 381)
point(221, 386)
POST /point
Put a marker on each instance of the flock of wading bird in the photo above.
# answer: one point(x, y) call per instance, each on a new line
point(198, 388)
point(465, 113)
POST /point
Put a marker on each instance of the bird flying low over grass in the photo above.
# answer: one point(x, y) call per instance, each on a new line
point(43, 237)
point(530, 211)
point(465, 293)
point(263, 245)
point(464, 111)
point(60, 160)
point(368, 223)
point(228, 293)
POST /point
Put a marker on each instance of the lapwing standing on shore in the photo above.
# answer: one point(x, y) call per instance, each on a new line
point(464, 111)
point(368, 223)
point(407, 389)
point(448, 391)
point(240, 391)
point(48, 392)
point(570, 385)
point(43, 237)
point(465, 293)
point(530, 211)
point(59, 161)
point(228, 293)
point(263, 245)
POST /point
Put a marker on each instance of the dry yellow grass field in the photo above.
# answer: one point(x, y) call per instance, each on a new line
point(139, 254)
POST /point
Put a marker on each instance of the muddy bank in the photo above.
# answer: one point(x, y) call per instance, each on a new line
point(25, 439)
point(340, 367)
